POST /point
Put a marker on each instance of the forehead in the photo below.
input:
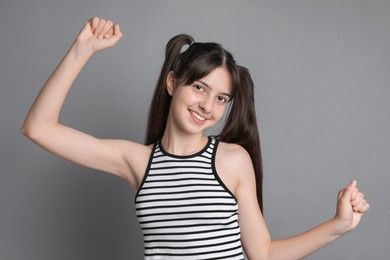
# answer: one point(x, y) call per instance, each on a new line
point(218, 80)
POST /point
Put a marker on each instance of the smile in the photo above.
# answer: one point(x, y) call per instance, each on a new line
point(197, 116)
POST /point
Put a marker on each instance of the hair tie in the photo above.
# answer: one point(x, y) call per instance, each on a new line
point(185, 47)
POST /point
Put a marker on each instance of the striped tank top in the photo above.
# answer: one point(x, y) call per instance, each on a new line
point(184, 209)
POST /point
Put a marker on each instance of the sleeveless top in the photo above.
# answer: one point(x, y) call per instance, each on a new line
point(184, 209)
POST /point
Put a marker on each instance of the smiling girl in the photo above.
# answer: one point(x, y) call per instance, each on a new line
point(198, 196)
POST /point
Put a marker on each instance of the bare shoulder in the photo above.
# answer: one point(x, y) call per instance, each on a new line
point(233, 164)
point(233, 153)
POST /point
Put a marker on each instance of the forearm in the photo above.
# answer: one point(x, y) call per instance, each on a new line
point(304, 244)
point(47, 106)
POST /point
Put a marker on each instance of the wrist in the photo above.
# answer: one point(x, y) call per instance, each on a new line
point(340, 227)
point(81, 51)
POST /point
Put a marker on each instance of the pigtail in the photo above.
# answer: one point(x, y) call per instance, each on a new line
point(241, 126)
point(159, 108)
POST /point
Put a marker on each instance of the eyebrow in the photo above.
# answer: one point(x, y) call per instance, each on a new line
point(223, 93)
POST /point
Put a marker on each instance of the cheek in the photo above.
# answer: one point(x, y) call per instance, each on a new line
point(185, 95)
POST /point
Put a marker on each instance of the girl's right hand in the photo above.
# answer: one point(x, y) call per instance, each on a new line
point(98, 34)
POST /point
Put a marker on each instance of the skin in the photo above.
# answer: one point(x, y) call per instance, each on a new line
point(194, 108)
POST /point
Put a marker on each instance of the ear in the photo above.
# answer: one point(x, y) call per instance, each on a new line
point(170, 83)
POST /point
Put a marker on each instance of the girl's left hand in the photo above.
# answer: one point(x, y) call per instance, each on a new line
point(351, 205)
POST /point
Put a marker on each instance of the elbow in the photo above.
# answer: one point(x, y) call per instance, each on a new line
point(37, 132)
point(27, 130)
point(30, 130)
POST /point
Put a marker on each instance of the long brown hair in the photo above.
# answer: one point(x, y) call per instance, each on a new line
point(196, 62)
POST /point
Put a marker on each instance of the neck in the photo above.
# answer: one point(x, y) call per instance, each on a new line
point(182, 144)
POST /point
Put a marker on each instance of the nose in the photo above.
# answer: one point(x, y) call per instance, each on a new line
point(206, 104)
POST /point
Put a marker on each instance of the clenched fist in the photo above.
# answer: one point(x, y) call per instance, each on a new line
point(98, 34)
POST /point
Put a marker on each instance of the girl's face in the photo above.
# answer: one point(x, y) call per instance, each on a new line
point(200, 105)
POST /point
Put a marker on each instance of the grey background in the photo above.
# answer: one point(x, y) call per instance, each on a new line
point(322, 77)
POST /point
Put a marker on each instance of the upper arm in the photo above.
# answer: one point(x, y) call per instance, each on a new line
point(112, 156)
point(254, 233)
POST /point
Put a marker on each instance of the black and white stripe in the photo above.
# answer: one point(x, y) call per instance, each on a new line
point(184, 209)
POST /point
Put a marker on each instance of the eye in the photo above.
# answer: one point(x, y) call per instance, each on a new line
point(222, 99)
point(199, 88)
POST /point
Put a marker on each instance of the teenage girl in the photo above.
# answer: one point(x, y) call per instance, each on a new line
point(198, 197)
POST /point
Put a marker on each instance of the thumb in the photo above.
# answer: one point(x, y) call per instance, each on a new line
point(345, 195)
point(85, 32)
point(87, 26)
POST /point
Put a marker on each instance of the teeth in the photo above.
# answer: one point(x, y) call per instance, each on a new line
point(197, 116)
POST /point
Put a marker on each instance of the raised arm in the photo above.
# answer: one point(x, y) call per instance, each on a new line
point(256, 239)
point(42, 126)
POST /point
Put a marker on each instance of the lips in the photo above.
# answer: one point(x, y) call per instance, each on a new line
point(197, 116)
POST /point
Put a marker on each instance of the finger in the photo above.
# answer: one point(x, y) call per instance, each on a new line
point(359, 198)
point(106, 28)
point(99, 27)
point(117, 31)
point(116, 36)
point(94, 23)
point(361, 207)
point(109, 33)
point(365, 208)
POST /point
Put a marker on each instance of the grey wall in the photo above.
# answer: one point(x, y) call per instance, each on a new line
point(322, 77)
